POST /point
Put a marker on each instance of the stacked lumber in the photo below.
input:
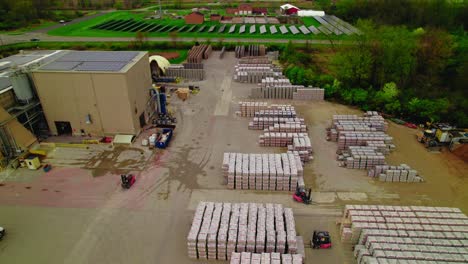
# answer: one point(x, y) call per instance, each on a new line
point(406, 234)
point(209, 223)
point(274, 172)
point(401, 173)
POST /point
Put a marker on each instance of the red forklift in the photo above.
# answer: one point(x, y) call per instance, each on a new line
point(321, 240)
point(302, 195)
point(127, 180)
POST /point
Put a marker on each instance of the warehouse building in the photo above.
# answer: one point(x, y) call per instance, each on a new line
point(95, 93)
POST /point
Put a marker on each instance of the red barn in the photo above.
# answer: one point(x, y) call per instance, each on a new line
point(194, 18)
point(289, 9)
point(215, 17)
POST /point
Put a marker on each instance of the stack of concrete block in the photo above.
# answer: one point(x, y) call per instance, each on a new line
point(250, 228)
point(371, 113)
point(250, 50)
point(265, 258)
point(280, 172)
point(290, 230)
point(277, 89)
point(223, 232)
point(179, 71)
point(380, 146)
point(375, 121)
point(261, 123)
point(248, 109)
point(255, 60)
point(281, 111)
point(213, 232)
point(194, 230)
point(358, 157)
point(255, 73)
point(233, 227)
point(406, 234)
point(280, 230)
point(242, 229)
point(303, 147)
point(401, 173)
point(315, 94)
point(197, 53)
point(279, 139)
point(289, 127)
point(354, 138)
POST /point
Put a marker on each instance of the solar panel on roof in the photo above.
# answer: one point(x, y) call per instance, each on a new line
point(273, 30)
point(101, 66)
point(124, 56)
point(293, 30)
point(60, 66)
point(262, 29)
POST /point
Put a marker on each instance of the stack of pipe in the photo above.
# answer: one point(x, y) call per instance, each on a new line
point(405, 234)
point(274, 172)
point(210, 220)
point(401, 173)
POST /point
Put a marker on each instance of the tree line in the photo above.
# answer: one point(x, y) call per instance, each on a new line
point(417, 74)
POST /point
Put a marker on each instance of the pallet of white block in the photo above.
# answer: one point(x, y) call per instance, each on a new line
point(359, 157)
point(372, 121)
point(255, 60)
point(316, 94)
point(401, 173)
point(219, 229)
point(406, 234)
point(285, 91)
point(260, 123)
point(262, 109)
point(274, 82)
point(275, 139)
point(265, 258)
point(274, 172)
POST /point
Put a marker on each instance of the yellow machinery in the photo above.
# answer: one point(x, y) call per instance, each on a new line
point(33, 162)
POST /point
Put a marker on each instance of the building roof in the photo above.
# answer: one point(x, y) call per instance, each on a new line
point(93, 61)
point(260, 9)
point(196, 13)
point(309, 13)
point(288, 6)
point(23, 60)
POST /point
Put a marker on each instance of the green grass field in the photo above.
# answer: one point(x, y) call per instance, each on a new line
point(85, 28)
point(42, 24)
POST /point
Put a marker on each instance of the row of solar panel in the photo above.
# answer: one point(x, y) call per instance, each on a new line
point(334, 25)
point(134, 26)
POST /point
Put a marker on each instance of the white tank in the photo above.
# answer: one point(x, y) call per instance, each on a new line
point(21, 86)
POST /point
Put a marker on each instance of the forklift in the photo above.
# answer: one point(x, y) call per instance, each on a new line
point(302, 195)
point(321, 240)
point(127, 180)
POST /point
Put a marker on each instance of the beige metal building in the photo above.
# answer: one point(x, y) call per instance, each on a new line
point(95, 92)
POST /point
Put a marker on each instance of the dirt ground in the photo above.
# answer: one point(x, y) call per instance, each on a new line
point(78, 213)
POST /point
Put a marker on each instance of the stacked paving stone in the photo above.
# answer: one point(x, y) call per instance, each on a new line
point(181, 71)
point(207, 240)
point(279, 139)
point(198, 53)
point(261, 123)
point(406, 234)
point(315, 94)
point(289, 127)
point(248, 109)
point(250, 50)
point(249, 72)
point(358, 157)
point(280, 172)
point(262, 109)
point(401, 173)
point(265, 258)
point(355, 138)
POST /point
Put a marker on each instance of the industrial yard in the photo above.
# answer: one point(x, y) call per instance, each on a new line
point(79, 213)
